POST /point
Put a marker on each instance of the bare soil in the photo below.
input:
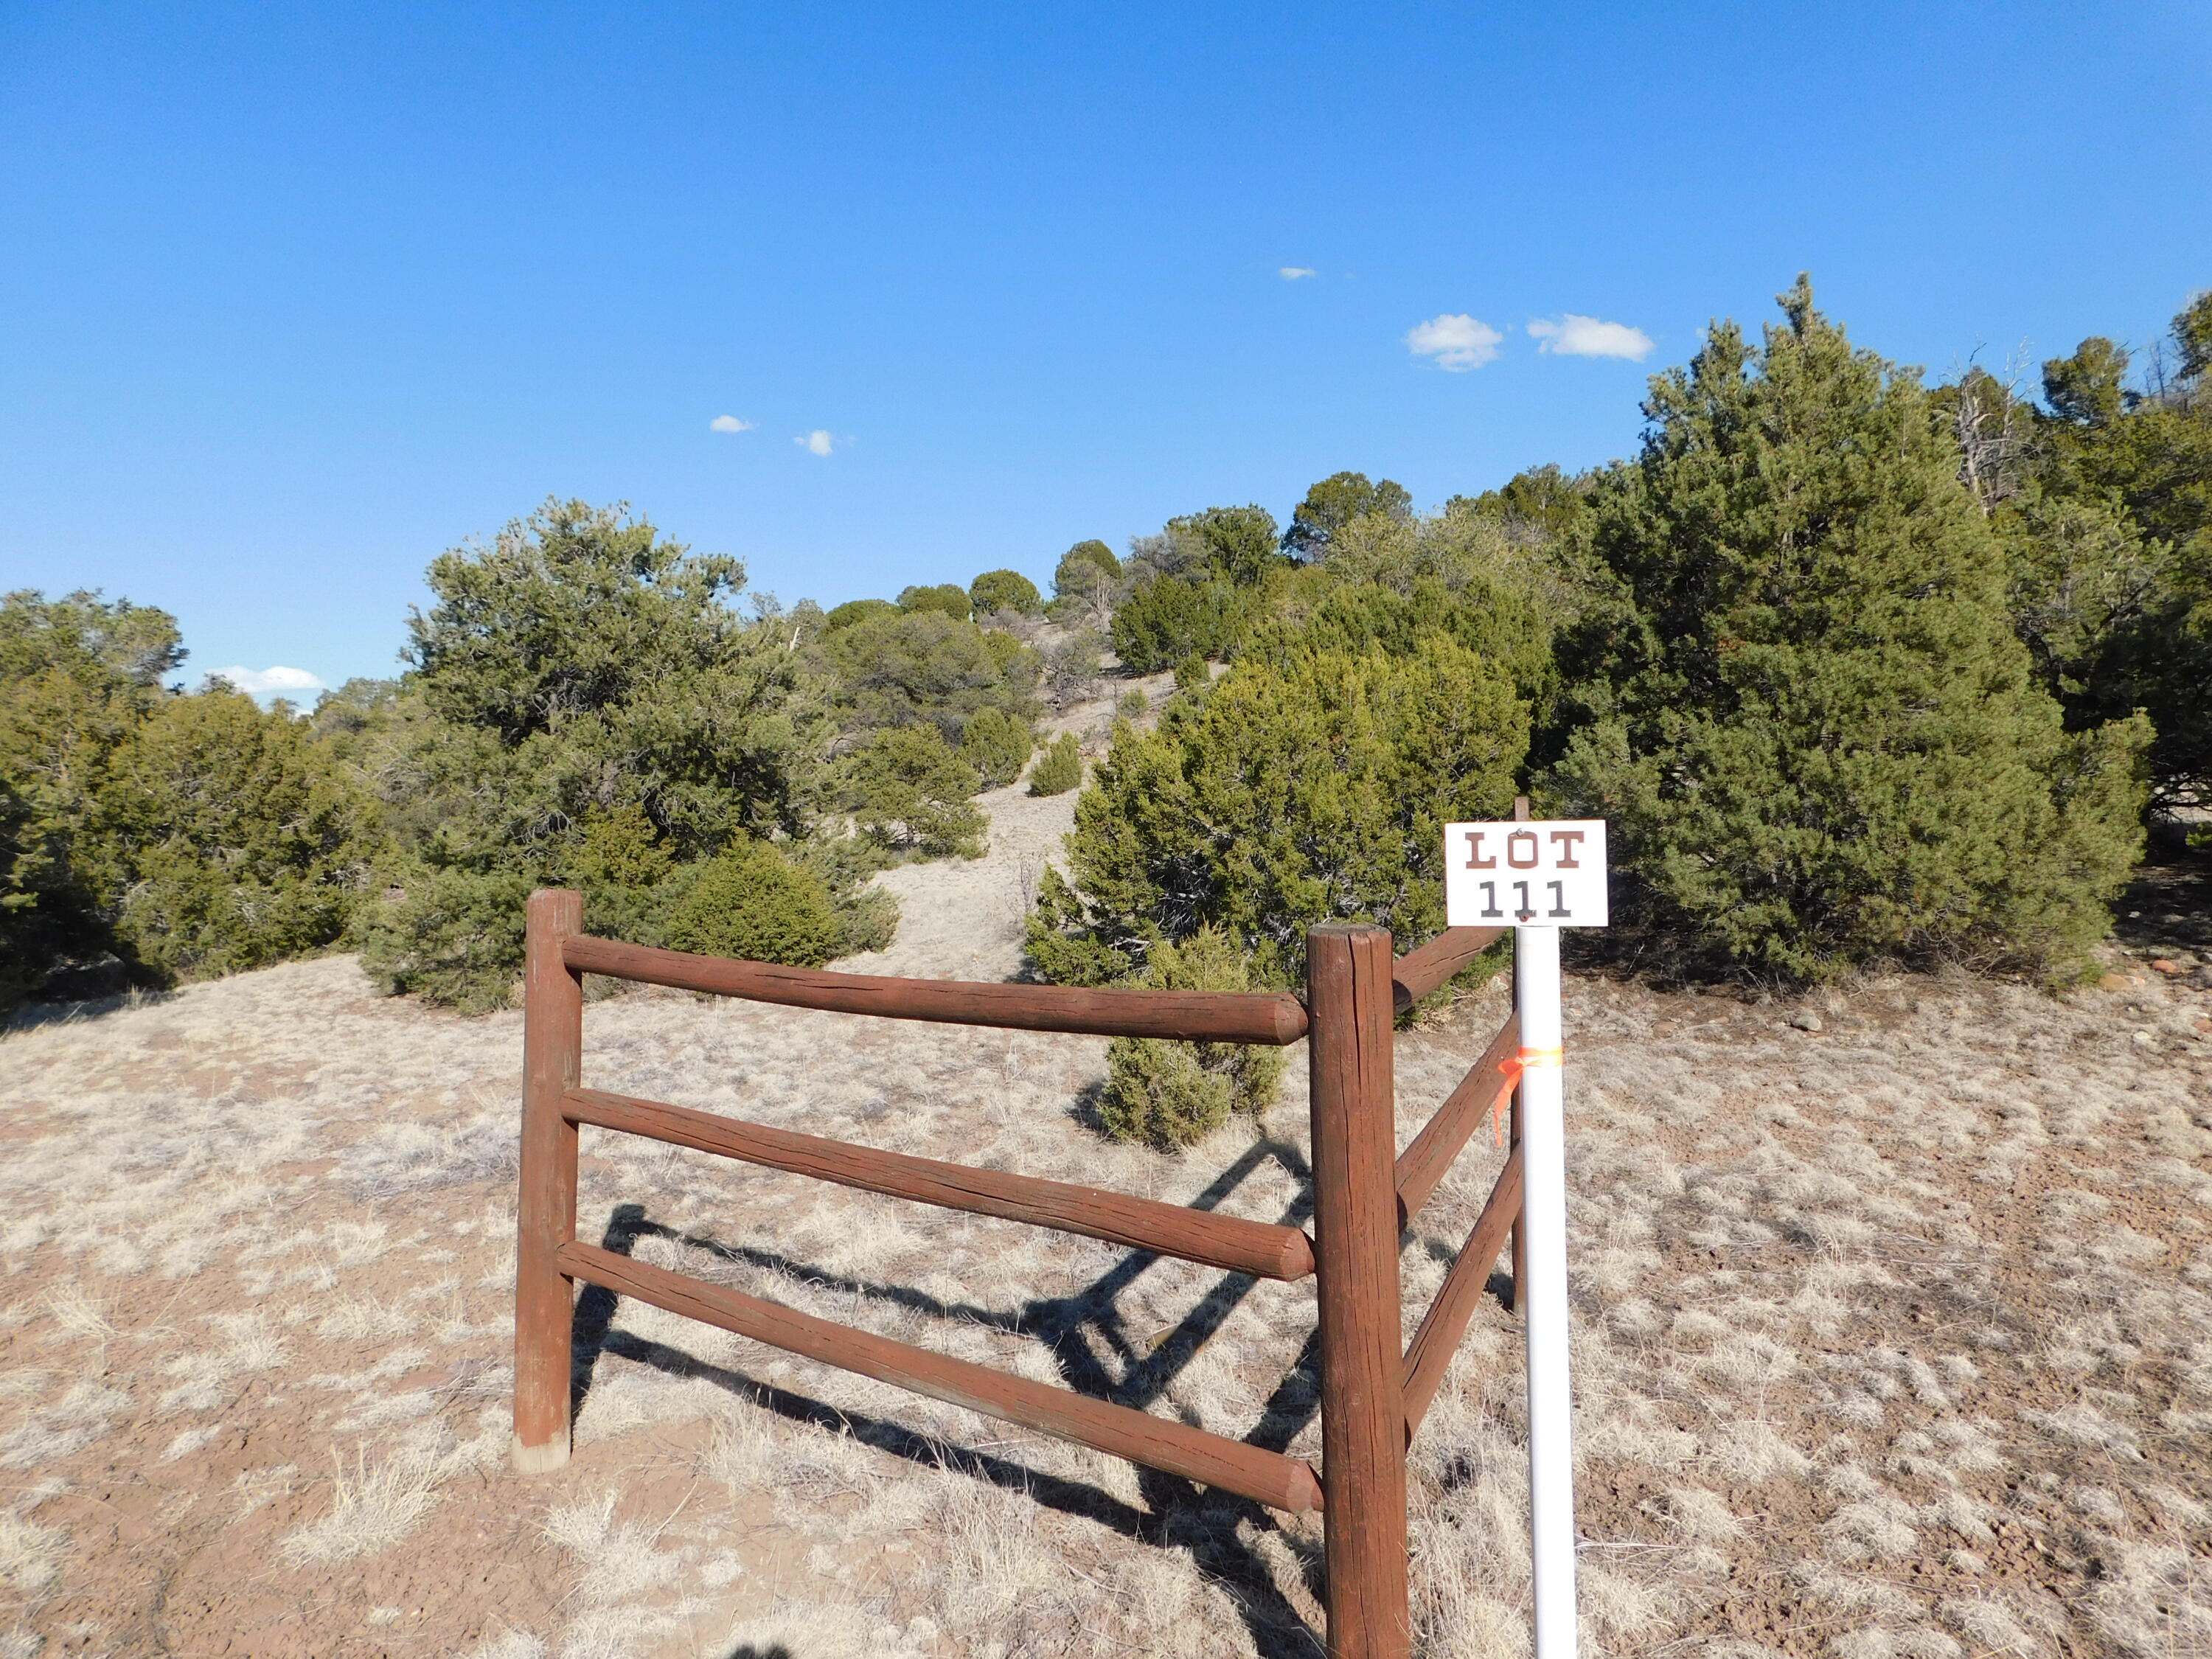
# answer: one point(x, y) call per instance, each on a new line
point(1893, 1337)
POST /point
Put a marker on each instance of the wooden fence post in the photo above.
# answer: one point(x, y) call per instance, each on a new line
point(1348, 996)
point(552, 1064)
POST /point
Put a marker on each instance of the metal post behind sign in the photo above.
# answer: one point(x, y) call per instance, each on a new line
point(1538, 877)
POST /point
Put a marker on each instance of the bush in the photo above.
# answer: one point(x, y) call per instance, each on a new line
point(997, 744)
point(1816, 736)
point(585, 706)
point(1238, 544)
point(1086, 585)
point(452, 936)
point(1005, 590)
point(1175, 1094)
point(1337, 501)
point(226, 838)
point(913, 666)
point(857, 611)
point(911, 793)
point(151, 836)
point(1059, 768)
point(947, 599)
point(1070, 668)
point(753, 903)
point(1192, 674)
point(1311, 790)
point(1172, 617)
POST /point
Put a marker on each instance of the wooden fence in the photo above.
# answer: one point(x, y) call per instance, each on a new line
point(1364, 1191)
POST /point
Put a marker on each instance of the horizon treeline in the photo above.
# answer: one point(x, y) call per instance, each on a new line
point(1860, 670)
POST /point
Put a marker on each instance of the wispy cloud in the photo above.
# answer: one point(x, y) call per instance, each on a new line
point(730, 423)
point(1458, 342)
point(1293, 273)
point(1588, 336)
point(278, 681)
point(817, 442)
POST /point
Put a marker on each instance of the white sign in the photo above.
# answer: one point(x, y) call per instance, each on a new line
point(1550, 873)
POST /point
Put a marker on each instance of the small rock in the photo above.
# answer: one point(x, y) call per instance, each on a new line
point(2115, 983)
point(2145, 1040)
point(1806, 1020)
point(2166, 965)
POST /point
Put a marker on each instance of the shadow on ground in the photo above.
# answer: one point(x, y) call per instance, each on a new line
point(1174, 1514)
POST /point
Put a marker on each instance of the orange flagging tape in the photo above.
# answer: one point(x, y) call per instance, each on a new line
point(1513, 1066)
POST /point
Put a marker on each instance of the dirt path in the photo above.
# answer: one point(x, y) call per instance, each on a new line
point(1895, 1338)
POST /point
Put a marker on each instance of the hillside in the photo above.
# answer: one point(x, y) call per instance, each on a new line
point(1895, 1335)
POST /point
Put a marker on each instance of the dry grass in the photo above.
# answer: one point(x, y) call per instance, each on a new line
point(1894, 1338)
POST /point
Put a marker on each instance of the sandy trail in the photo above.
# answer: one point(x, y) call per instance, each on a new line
point(1893, 1338)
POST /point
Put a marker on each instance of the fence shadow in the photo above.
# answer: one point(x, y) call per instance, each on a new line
point(1175, 1513)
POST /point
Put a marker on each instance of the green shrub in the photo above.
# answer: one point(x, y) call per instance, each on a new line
point(452, 936)
point(1133, 704)
point(1311, 790)
point(1005, 590)
point(1238, 544)
point(997, 744)
point(857, 611)
point(1192, 674)
point(585, 706)
point(922, 666)
point(1174, 617)
point(1086, 585)
point(753, 903)
point(947, 599)
point(1817, 738)
point(1337, 501)
point(1059, 768)
point(911, 794)
point(1174, 1094)
point(226, 838)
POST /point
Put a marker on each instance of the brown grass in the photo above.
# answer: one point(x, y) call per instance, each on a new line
point(1895, 1339)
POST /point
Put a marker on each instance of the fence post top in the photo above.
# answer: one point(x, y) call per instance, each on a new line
point(1334, 928)
point(558, 905)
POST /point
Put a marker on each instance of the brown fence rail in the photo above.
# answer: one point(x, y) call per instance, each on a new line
point(1364, 1194)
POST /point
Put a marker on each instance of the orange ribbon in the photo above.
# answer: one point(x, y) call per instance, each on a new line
point(1513, 1066)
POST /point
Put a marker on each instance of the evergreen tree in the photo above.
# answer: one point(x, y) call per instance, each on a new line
point(1335, 502)
point(583, 702)
point(1004, 590)
point(2111, 539)
point(1312, 787)
point(1815, 734)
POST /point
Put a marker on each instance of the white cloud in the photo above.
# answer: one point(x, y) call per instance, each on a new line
point(1586, 337)
point(1457, 343)
point(269, 682)
point(817, 442)
point(1293, 273)
point(730, 423)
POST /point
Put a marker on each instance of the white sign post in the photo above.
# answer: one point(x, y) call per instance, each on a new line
point(1538, 878)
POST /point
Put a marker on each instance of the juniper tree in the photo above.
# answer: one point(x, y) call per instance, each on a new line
point(1312, 787)
point(1816, 736)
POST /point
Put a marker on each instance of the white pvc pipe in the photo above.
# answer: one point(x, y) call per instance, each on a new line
point(1544, 1299)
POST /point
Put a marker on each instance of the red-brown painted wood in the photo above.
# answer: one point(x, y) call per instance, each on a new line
point(552, 1062)
point(1259, 1248)
point(1273, 1018)
point(1446, 1322)
point(1348, 981)
point(1433, 1151)
point(1419, 972)
point(1266, 1477)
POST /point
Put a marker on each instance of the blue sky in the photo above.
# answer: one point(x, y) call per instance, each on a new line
point(293, 298)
